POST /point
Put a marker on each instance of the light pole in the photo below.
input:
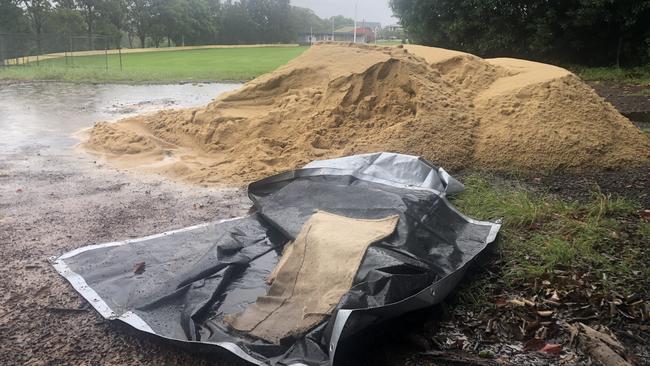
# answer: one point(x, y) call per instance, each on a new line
point(355, 23)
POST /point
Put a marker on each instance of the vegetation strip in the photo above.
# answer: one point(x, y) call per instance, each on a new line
point(214, 64)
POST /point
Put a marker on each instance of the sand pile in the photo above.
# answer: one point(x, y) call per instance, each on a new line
point(455, 109)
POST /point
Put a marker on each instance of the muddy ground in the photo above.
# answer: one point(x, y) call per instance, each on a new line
point(51, 203)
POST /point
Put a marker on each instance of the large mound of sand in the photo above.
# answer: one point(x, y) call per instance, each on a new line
point(455, 109)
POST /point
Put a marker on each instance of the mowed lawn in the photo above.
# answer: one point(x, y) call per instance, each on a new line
point(217, 64)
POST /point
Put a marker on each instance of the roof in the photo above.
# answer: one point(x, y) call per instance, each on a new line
point(360, 30)
point(371, 25)
point(344, 30)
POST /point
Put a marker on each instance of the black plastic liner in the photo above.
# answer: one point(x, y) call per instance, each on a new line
point(187, 280)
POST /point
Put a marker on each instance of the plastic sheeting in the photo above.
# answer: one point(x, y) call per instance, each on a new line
point(188, 280)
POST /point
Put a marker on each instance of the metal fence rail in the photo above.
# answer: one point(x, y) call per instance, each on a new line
point(26, 49)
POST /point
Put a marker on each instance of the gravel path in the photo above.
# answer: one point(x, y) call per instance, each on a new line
point(52, 203)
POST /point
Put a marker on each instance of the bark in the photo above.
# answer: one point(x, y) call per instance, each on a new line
point(619, 49)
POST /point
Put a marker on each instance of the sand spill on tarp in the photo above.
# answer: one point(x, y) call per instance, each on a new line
point(455, 109)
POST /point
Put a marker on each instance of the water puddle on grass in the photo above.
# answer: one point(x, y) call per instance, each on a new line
point(47, 114)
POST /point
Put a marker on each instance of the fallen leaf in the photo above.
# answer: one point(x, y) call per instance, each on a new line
point(500, 302)
point(552, 349)
point(555, 296)
point(516, 302)
point(138, 268)
point(529, 303)
point(534, 344)
point(645, 215)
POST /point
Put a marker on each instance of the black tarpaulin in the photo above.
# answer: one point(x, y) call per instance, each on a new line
point(192, 278)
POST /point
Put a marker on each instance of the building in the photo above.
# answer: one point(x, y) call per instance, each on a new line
point(394, 28)
point(345, 34)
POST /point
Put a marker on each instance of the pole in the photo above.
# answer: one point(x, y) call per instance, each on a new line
point(71, 54)
point(355, 23)
point(106, 51)
point(332, 28)
point(311, 35)
point(119, 51)
point(38, 46)
point(2, 52)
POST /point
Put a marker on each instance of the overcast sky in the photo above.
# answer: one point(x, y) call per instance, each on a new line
point(370, 10)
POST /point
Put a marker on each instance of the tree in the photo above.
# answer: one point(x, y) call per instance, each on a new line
point(113, 15)
point(90, 12)
point(140, 18)
point(37, 11)
point(598, 32)
point(12, 17)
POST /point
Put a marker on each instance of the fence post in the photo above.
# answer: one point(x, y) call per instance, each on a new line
point(38, 48)
point(106, 51)
point(71, 53)
point(2, 51)
point(119, 51)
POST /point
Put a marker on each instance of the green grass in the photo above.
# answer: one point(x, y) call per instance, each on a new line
point(217, 64)
point(637, 75)
point(543, 234)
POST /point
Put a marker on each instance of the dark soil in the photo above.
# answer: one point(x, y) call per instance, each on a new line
point(633, 184)
point(633, 101)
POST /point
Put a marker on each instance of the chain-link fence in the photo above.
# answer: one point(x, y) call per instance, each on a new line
point(54, 50)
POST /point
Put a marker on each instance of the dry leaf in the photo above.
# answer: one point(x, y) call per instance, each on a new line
point(138, 268)
point(552, 349)
point(545, 313)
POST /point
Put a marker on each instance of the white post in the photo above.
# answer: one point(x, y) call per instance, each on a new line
point(355, 22)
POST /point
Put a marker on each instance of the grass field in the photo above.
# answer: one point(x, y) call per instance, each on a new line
point(637, 75)
point(171, 66)
point(601, 240)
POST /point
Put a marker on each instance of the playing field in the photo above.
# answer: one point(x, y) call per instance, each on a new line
point(217, 64)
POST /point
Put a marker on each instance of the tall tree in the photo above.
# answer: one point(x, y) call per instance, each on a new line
point(12, 17)
point(597, 32)
point(140, 18)
point(113, 15)
point(90, 12)
point(37, 11)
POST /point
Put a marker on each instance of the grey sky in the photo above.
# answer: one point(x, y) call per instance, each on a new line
point(370, 10)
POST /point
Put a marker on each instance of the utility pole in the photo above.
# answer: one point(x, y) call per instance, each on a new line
point(355, 23)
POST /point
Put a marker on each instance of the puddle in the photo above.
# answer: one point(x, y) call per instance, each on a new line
point(47, 114)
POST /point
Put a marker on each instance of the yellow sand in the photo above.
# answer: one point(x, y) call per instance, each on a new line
point(455, 109)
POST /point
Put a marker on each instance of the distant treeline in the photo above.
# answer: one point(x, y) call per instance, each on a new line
point(588, 32)
point(154, 23)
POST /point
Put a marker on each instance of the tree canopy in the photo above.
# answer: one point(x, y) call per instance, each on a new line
point(166, 22)
point(589, 32)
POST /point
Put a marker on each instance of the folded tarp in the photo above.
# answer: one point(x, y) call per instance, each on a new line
point(182, 284)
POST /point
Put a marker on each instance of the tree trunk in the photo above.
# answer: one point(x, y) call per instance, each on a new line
point(619, 49)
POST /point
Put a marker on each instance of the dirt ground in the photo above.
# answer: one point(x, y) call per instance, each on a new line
point(53, 203)
point(50, 204)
